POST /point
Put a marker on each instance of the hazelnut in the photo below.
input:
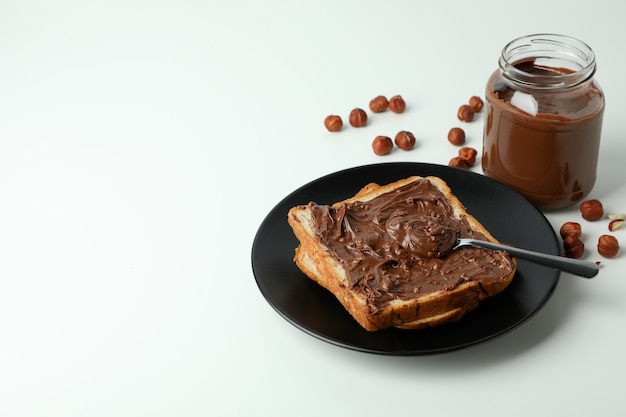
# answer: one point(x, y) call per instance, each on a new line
point(570, 229)
point(466, 113)
point(591, 210)
point(405, 140)
point(468, 154)
point(458, 163)
point(397, 104)
point(379, 104)
point(608, 246)
point(382, 145)
point(358, 117)
point(456, 136)
point(476, 103)
point(574, 247)
point(333, 123)
point(616, 224)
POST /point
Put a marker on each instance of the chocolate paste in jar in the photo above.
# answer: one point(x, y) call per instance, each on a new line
point(543, 142)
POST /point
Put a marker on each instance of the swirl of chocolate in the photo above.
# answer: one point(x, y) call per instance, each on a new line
point(423, 235)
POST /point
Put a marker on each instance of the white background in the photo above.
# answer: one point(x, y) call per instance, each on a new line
point(142, 143)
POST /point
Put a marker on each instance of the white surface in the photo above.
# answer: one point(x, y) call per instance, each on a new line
point(141, 145)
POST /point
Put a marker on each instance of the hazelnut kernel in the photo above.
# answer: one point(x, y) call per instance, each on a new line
point(456, 136)
point(405, 140)
point(358, 117)
point(333, 123)
point(466, 113)
point(382, 145)
point(570, 229)
point(458, 163)
point(468, 154)
point(608, 246)
point(379, 104)
point(397, 104)
point(616, 224)
point(591, 210)
point(476, 103)
point(574, 247)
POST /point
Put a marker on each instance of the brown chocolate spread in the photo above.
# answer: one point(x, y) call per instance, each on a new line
point(400, 244)
point(543, 143)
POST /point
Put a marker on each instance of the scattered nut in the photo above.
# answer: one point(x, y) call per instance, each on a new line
point(574, 247)
point(476, 103)
point(382, 145)
point(616, 224)
point(405, 140)
point(570, 229)
point(466, 113)
point(608, 246)
point(591, 210)
point(379, 104)
point(358, 117)
point(468, 154)
point(397, 104)
point(333, 123)
point(456, 136)
point(457, 162)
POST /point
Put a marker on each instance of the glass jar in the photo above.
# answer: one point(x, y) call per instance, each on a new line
point(544, 119)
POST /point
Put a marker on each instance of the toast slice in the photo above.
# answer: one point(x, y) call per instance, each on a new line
point(386, 254)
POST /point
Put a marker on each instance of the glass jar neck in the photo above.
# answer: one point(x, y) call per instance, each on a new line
point(547, 62)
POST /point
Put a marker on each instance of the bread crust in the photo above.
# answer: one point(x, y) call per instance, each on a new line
point(422, 311)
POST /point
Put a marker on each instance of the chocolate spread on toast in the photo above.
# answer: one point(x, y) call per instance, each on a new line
point(399, 244)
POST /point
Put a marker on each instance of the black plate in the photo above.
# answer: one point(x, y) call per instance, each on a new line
point(311, 308)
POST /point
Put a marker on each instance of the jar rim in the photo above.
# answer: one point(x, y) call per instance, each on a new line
point(557, 51)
